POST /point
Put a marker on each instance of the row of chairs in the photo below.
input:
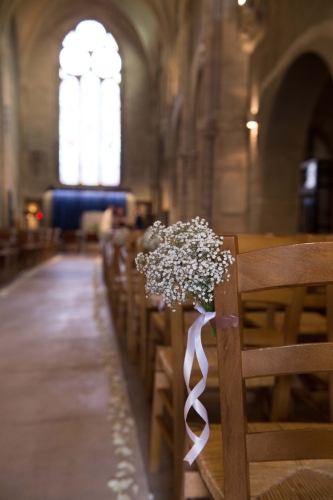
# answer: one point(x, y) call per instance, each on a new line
point(279, 290)
point(22, 249)
point(79, 241)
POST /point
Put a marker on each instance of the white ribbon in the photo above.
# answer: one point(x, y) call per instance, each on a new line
point(122, 260)
point(194, 347)
point(161, 306)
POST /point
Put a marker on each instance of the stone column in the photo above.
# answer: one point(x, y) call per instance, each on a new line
point(206, 179)
point(2, 118)
point(205, 126)
point(191, 200)
point(230, 183)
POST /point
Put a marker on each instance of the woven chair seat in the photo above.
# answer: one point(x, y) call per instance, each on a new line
point(290, 480)
point(311, 322)
point(303, 484)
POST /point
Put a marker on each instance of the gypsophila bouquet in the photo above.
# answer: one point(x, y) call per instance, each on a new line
point(120, 236)
point(148, 242)
point(187, 264)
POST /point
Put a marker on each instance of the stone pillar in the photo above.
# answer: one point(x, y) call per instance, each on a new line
point(191, 202)
point(207, 169)
point(2, 117)
point(230, 182)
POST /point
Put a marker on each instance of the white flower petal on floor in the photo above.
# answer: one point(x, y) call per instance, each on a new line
point(122, 424)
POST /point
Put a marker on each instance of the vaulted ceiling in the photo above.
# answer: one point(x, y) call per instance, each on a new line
point(148, 23)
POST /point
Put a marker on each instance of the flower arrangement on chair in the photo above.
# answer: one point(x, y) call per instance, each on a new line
point(188, 264)
point(148, 242)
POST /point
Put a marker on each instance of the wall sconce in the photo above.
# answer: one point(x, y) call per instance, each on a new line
point(252, 125)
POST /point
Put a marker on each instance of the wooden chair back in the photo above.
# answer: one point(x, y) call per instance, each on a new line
point(251, 242)
point(272, 268)
point(112, 255)
point(132, 286)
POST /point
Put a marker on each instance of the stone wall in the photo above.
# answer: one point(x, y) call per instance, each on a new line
point(236, 62)
point(289, 69)
point(10, 147)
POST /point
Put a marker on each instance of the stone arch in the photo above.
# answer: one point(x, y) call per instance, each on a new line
point(284, 145)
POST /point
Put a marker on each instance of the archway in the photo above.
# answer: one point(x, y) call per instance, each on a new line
point(301, 108)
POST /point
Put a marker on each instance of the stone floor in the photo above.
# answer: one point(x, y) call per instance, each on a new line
point(160, 482)
point(56, 436)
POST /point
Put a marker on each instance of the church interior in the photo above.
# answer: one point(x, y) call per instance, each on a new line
point(116, 359)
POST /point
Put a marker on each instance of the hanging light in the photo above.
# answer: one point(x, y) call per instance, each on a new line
point(241, 2)
point(252, 124)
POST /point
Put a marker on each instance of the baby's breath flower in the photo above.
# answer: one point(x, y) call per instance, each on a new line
point(187, 264)
point(147, 242)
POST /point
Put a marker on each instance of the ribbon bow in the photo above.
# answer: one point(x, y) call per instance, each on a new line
point(194, 347)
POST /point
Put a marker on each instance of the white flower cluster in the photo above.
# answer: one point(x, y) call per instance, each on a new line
point(187, 264)
point(120, 236)
point(147, 242)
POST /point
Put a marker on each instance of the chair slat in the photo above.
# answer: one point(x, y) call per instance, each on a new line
point(250, 242)
point(280, 296)
point(310, 263)
point(301, 444)
point(286, 360)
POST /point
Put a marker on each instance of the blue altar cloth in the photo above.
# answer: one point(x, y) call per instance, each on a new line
point(69, 204)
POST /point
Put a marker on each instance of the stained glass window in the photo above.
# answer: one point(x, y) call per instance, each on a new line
point(89, 102)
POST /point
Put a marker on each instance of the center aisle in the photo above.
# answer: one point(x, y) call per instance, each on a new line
point(66, 430)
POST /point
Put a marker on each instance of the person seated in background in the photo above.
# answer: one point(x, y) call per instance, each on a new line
point(119, 219)
point(139, 224)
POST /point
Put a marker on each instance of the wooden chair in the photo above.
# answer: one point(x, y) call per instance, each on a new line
point(155, 332)
point(272, 317)
point(128, 286)
point(268, 460)
point(167, 369)
point(8, 259)
point(112, 274)
point(169, 389)
point(145, 308)
point(159, 335)
point(158, 332)
point(132, 290)
point(72, 240)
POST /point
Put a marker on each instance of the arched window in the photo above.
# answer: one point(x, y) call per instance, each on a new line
point(89, 107)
